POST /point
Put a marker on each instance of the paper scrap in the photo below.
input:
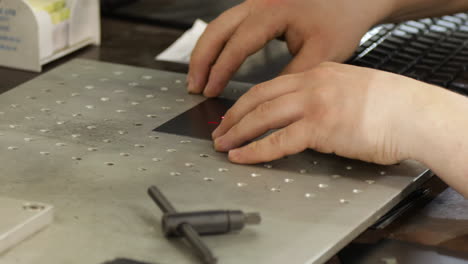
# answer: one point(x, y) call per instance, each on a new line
point(181, 49)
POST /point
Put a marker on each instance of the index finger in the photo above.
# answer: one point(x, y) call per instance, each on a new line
point(255, 96)
point(210, 45)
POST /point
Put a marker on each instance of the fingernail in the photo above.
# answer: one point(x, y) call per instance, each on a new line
point(215, 133)
point(233, 155)
point(217, 144)
point(221, 144)
point(207, 93)
point(190, 84)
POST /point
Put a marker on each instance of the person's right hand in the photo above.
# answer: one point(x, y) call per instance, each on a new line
point(315, 31)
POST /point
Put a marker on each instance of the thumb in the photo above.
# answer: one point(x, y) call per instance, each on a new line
point(309, 56)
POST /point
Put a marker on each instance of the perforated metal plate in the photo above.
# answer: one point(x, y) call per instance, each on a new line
point(81, 137)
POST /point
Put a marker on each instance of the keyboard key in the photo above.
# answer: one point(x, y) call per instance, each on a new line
point(394, 40)
point(436, 56)
point(418, 74)
point(449, 46)
point(419, 45)
point(427, 21)
point(456, 41)
point(439, 29)
point(429, 62)
point(455, 64)
point(461, 82)
point(367, 44)
point(462, 16)
point(463, 28)
point(421, 71)
point(404, 57)
point(380, 52)
point(360, 49)
point(426, 41)
point(411, 75)
point(464, 52)
point(453, 19)
point(372, 61)
point(435, 36)
point(443, 50)
point(402, 34)
point(438, 82)
point(375, 38)
point(411, 30)
point(416, 24)
point(461, 57)
point(388, 45)
point(364, 64)
point(413, 51)
point(446, 77)
point(447, 24)
point(460, 35)
point(447, 69)
point(394, 66)
point(389, 26)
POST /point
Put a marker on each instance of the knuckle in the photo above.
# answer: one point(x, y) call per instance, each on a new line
point(324, 71)
point(255, 147)
point(214, 25)
point(230, 115)
point(264, 109)
point(257, 90)
point(234, 48)
point(224, 66)
point(217, 69)
point(277, 140)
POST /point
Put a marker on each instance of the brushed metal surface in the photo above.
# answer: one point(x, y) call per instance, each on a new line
point(80, 137)
point(20, 220)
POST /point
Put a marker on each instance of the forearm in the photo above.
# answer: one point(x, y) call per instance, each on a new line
point(439, 135)
point(413, 9)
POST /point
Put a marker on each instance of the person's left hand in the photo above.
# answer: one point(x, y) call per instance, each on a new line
point(351, 111)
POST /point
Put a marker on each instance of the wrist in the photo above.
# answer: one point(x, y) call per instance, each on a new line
point(437, 137)
point(424, 123)
point(410, 116)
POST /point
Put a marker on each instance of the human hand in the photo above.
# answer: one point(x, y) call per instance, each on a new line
point(333, 108)
point(315, 31)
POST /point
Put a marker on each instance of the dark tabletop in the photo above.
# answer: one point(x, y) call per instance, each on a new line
point(438, 225)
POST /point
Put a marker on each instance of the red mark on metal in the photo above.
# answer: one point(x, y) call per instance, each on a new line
point(212, 122)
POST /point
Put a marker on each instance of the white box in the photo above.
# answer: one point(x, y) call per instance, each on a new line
point(36, 32)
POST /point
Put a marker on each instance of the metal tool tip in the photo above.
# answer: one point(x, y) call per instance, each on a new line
point(253, 218)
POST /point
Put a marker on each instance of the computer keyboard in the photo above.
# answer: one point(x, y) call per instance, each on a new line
point(433, 50)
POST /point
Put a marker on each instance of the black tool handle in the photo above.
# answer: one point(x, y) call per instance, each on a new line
point(161, 200)
point(195, 241)
point(213, 222)
point(184, 229)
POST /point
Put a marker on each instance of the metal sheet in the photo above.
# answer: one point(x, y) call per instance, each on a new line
point(80, 137)
point(21, 219)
